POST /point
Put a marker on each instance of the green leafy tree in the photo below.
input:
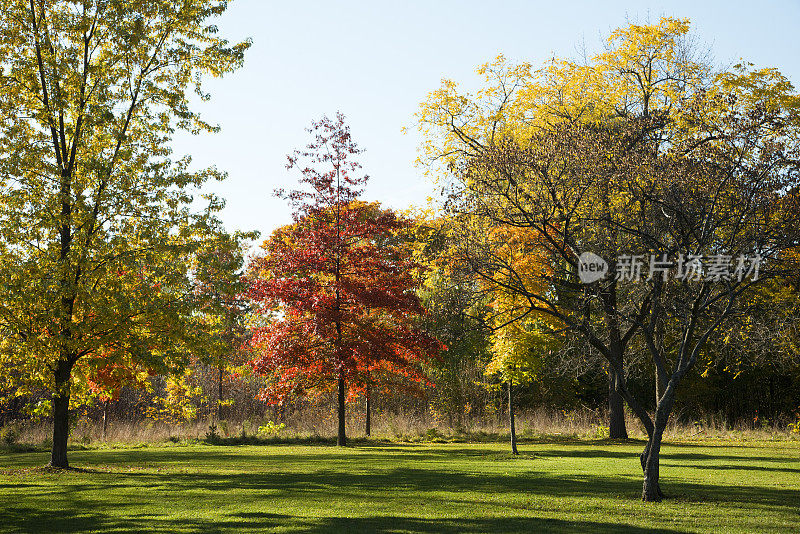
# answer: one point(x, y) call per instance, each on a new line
point(456, 309)
point(223, 308)
point(97, 230)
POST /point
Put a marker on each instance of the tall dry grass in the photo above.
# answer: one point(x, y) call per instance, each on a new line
point(317, 423)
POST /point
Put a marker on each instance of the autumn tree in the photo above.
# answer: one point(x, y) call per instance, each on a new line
point(338, 282)
point(726, 191)
point(455, 310)
point(222, 307)
point(730, 201)
point(641, 149)
point(97, 230)
point(521, 337)
point(644, 71)
point(523, 220)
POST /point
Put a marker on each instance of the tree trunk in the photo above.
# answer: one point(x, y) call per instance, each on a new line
point(341, 439)
point(58, 456)
point(14, 410)
point(511, 417)
point(219, 395)
point(651, 489)
point(369, 412)
point(616, 410)
point(659, 387)
point(105, 419)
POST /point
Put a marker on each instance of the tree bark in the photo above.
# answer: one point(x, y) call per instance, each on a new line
point(650, 458)
point(105, 419)
point(341, 439)
point(651, 490)
point(58, 453)
point(616, 348)
point(368, 412)
point(219, 395)
point(659, 386)
point(616, 409)
point(511, 417)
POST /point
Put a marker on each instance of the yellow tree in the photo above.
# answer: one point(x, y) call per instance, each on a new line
point(642, 150)
point(522, 337)
point(95, 215)
point(456, 316)
point(646, 72)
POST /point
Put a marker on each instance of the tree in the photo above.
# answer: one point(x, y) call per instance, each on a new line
point(520, 339)
point(339, 283)
point(644, 71)
point(219, 292)
point(727, 190)
point(731, 203)
point(584, 151)
point(95, 217)
point(526, 215)
point(455, 310)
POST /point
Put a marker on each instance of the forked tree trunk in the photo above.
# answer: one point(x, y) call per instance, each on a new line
point(368, 409)
point(511, 417)
point(616, 410)
point(650, 458)
point(341, 439)
point(659, 386)
point(58, 454)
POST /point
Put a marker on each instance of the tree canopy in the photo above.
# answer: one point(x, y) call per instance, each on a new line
point(97, 219)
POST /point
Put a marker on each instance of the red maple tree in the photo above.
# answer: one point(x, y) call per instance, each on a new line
point(338, 282)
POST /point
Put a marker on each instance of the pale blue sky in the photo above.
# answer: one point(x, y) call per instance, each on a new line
point(375, 61)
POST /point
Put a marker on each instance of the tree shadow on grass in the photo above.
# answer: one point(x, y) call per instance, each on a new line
point(176, 456)
point(695, 456)
point(361, 475)
point(733, 467)
point(68, 521)
point(28, 519)
point(388, 524)
point(405, 481)
point(72, 512)
point(332, 468)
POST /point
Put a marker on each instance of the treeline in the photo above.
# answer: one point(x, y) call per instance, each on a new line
point(755, 395)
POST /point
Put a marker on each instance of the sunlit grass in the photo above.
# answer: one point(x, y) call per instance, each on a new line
point(571, 486)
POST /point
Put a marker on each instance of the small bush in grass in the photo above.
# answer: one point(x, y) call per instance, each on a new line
point(212, 434)
point(223, 429)
point(794, 427)
point(434, 436)
point(9, 435)
point(599, 431)
point(270, 429)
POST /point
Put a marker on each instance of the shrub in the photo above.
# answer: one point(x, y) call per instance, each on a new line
point(9, 435)
point(270, 429)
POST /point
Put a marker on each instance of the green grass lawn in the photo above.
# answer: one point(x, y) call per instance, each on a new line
point(392, 487)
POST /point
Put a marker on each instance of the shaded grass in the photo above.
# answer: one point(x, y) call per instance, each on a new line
point(568, 486)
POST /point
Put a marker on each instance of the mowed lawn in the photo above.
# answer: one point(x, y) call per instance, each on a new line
point(454, 487)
